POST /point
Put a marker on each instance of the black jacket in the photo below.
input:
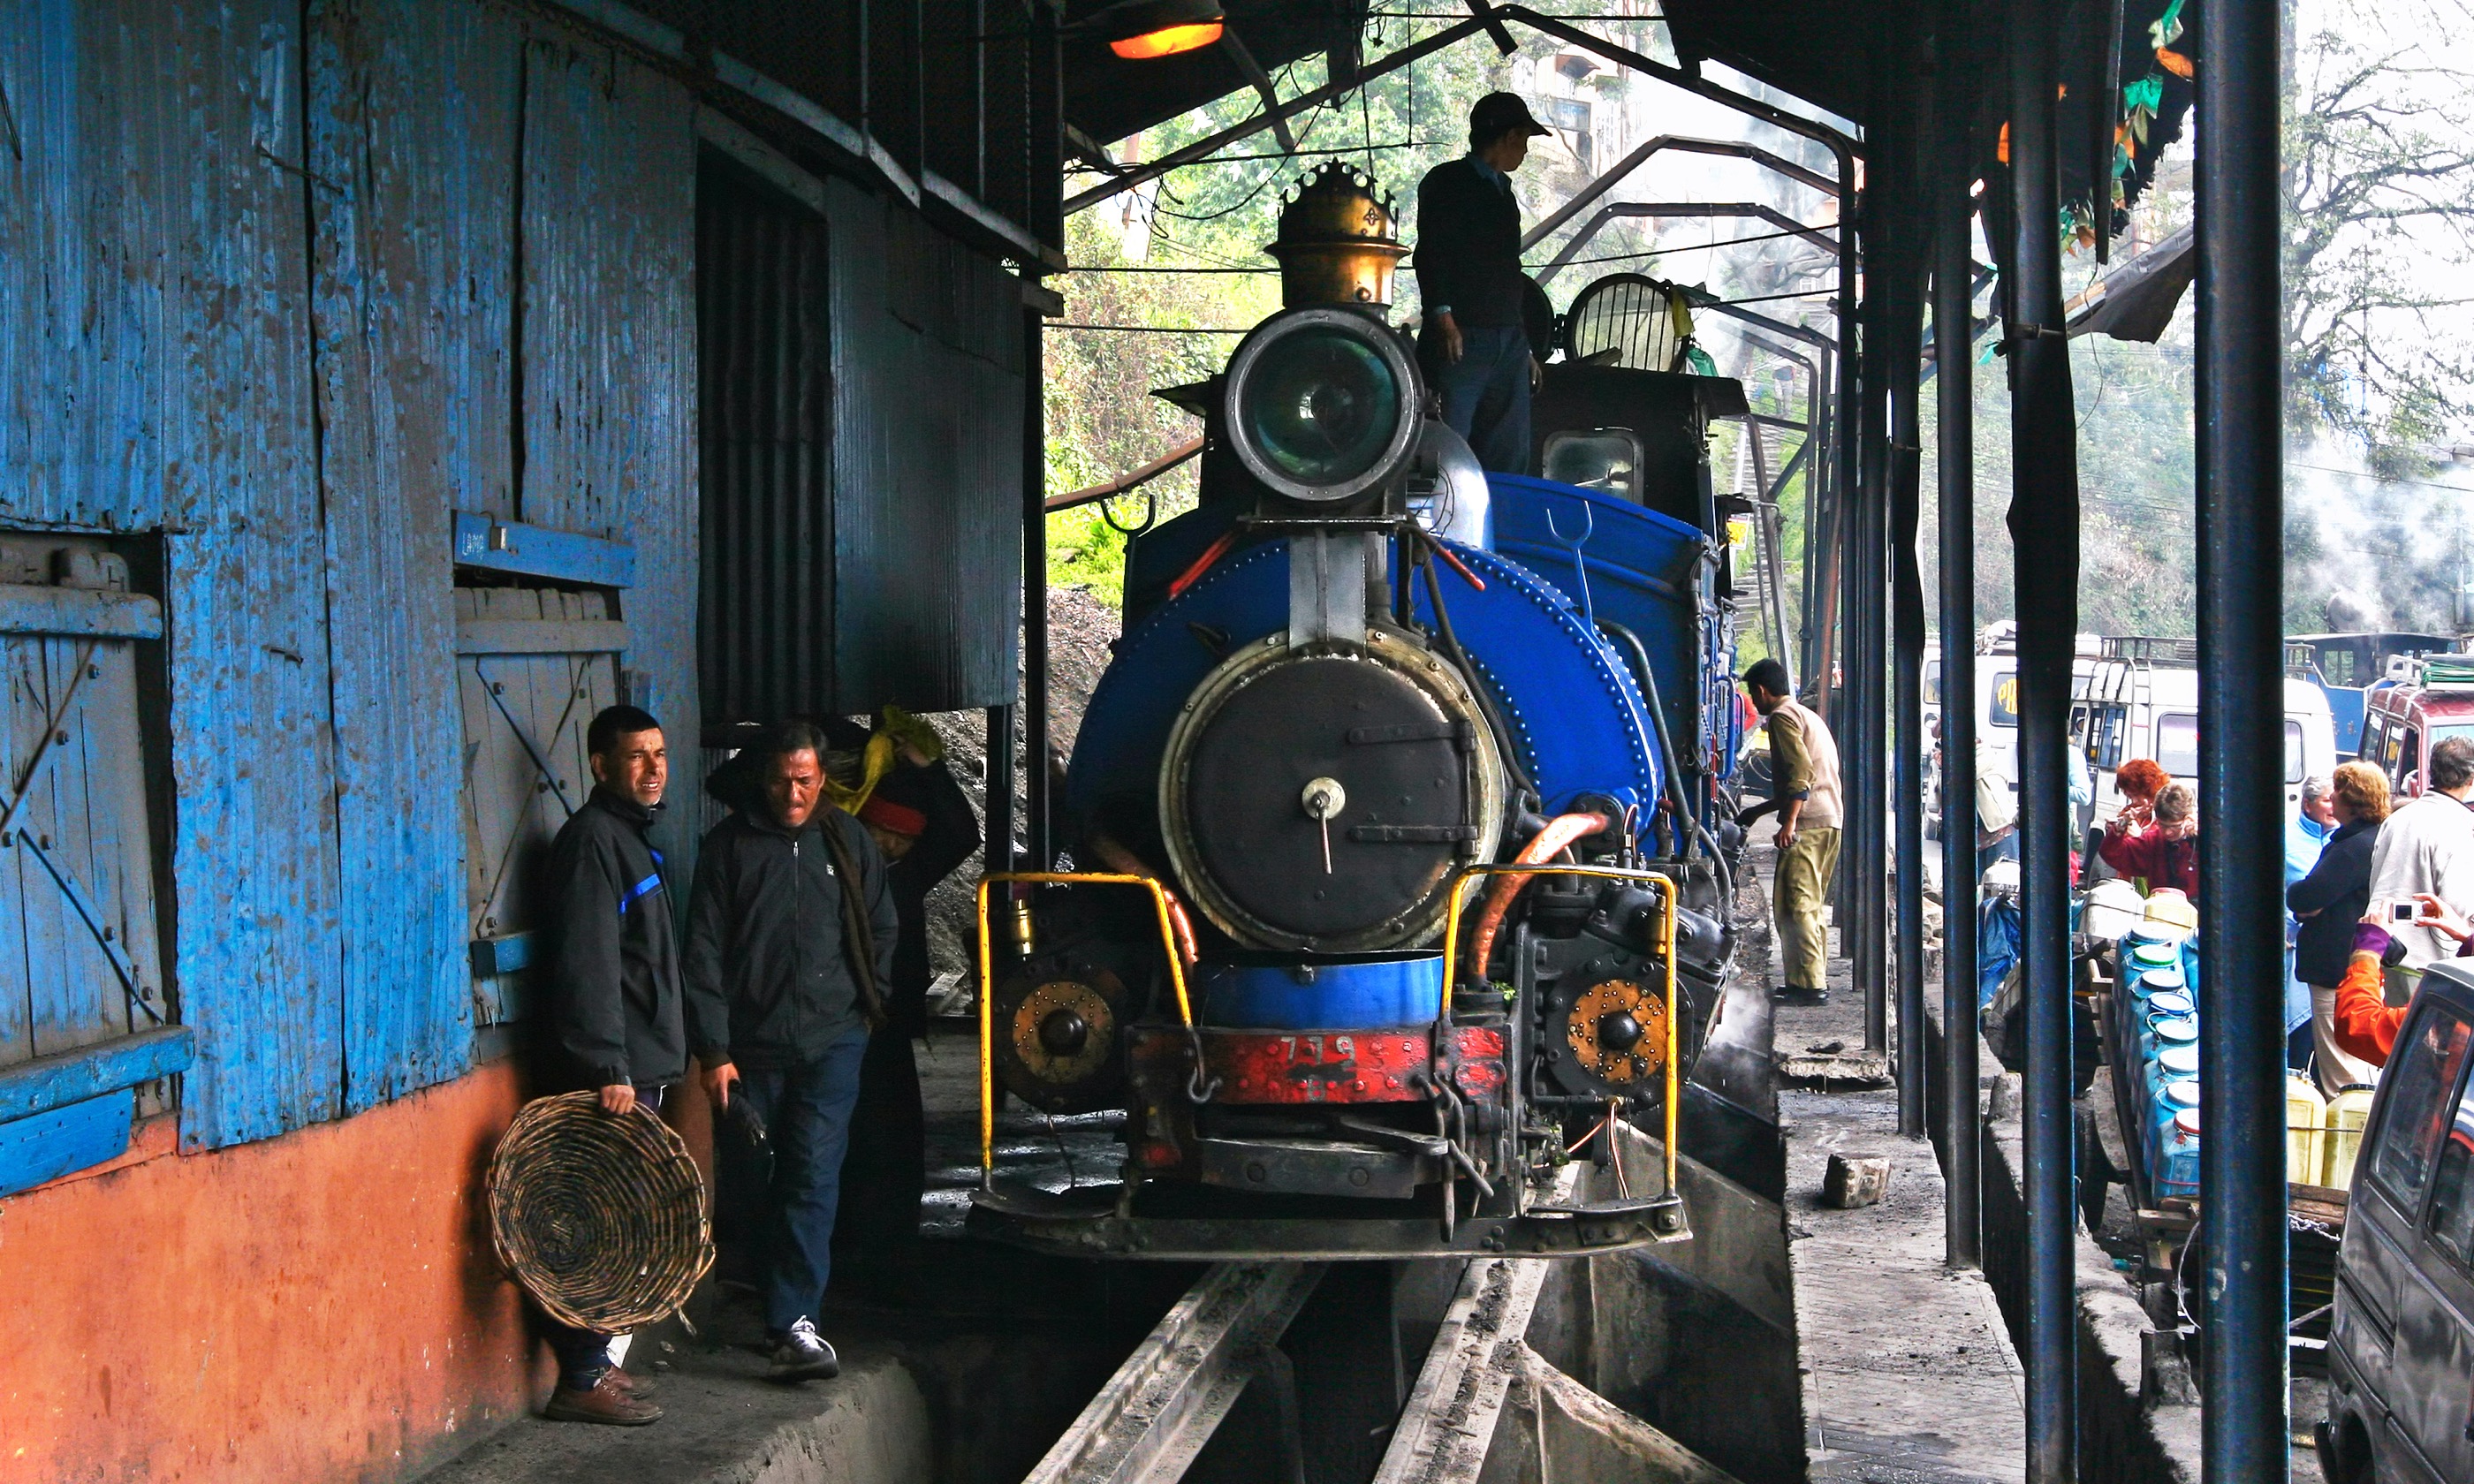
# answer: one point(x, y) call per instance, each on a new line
point(2339, 889)
point(614, 957)
point(952, 837)
point(768, 982)
point(1469, 247)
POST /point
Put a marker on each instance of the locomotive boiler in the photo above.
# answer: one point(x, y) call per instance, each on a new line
point(1399, 822)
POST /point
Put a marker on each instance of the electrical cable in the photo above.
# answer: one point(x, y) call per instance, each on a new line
point(1666, 750)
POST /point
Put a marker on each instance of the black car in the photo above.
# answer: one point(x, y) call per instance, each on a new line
point(2401, 1342)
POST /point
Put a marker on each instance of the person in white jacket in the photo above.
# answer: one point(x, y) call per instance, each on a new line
point(2428, 845)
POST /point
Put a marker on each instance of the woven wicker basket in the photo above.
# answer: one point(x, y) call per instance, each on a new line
point(601, 1218)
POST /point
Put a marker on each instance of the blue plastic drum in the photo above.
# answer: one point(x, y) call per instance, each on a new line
point(1361, 992)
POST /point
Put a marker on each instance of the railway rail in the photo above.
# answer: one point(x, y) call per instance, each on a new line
point(1484, 1402)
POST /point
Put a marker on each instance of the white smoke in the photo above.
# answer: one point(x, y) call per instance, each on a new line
point(2367, 549)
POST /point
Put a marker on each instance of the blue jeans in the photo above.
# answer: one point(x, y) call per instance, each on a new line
point(806, 1113)
point(1486, 395)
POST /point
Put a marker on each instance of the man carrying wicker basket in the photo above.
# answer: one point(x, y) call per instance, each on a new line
point(615, 1014)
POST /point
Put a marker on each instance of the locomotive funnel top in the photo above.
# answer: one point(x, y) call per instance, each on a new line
point(1335, 245)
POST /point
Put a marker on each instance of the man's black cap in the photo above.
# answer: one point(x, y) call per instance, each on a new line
point(1498, 114)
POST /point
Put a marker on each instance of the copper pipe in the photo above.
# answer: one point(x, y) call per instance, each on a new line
point(1560, 832)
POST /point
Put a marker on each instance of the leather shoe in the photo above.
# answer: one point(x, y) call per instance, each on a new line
point(639, 1387)
point(608, 1403)
point(1796, 994)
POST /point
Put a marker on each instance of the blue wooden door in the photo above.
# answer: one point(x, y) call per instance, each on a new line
point(533, 665)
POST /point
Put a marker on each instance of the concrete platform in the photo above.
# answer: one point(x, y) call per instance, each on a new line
point(1909, 1373)
point(726, 1425)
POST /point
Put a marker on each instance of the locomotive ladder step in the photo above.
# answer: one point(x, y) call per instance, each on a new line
point(1147, 1426)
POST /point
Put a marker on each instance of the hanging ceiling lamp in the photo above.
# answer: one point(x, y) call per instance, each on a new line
point(1141, 29)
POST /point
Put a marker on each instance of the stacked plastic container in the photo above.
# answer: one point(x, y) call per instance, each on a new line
point(2158, 1029)
point(2157, 1045)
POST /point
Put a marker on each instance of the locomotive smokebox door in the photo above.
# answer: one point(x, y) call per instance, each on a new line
point(1319, 797)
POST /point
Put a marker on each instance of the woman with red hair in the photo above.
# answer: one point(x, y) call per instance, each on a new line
point(2140, 779)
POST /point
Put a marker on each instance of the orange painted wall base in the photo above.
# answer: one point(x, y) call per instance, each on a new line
point(322, 1306)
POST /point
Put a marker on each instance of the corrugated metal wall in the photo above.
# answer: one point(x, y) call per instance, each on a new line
point(764, 341)
point(965, 88)
point(928, 402)
point(408, 201)
point(290, 284)
point(201, 271)
point(154, 332)
point(889, 571)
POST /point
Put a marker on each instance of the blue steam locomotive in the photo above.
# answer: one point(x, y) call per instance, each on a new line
point(1402, 821)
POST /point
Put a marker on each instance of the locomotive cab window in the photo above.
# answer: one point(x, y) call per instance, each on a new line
point(1606, 460)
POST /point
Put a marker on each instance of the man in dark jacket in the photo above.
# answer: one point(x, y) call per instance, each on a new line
point(921, 820)
point(791, 938)
point(616, 1022)
point(1469, 273)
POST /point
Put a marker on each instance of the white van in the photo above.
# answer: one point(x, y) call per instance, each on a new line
point(2129, 708)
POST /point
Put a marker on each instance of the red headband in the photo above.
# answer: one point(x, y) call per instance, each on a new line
point(885, 814)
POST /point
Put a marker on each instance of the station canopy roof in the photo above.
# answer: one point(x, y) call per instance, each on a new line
point(1831, 54)
point(1108, 97)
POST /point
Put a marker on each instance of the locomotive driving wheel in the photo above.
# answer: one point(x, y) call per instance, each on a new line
point(1610, 1039)
point(1057, 1037)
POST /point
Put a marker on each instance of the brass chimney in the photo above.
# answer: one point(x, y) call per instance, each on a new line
point(1336, 244)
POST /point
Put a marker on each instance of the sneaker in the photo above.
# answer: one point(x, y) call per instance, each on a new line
point(801, 1354)
point(609, 1402)
point(1793, 995)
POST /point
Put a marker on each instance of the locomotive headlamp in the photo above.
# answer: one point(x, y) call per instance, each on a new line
point(1322, 403)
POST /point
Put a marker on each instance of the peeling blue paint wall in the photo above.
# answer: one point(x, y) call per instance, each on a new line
point(288, 286)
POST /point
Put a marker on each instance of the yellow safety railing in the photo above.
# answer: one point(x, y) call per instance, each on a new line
point(988, 982)
point(1667, 902)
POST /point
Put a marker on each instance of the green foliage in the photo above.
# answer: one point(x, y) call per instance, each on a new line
point(2378, 218)
point(1103, 420)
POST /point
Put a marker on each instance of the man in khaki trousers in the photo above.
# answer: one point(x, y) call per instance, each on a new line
point(1804, 790)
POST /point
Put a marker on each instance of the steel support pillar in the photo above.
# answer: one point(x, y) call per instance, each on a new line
point(996, 853)
point(1041, 851)
point(2044, 523)
point(2244, 1427)
point(1954, 429)
point(1864, 909)
point(1908, 219)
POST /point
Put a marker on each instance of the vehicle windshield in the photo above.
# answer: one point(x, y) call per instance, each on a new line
point(2178, 744)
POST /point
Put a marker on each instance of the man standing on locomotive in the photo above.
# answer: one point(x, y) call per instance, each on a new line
point(1474, 347)
point(1803, 788)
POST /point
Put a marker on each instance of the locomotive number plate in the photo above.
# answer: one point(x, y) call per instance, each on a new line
point(1307, 1067)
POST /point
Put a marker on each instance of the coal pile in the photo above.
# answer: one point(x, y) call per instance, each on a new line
point(1080, 629)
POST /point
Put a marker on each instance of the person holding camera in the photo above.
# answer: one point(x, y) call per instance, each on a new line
point(2427, 846)
point(2365, 1025)
point(2158, 850)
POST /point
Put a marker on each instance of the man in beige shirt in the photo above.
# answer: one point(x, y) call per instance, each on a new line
point(1804, 790)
